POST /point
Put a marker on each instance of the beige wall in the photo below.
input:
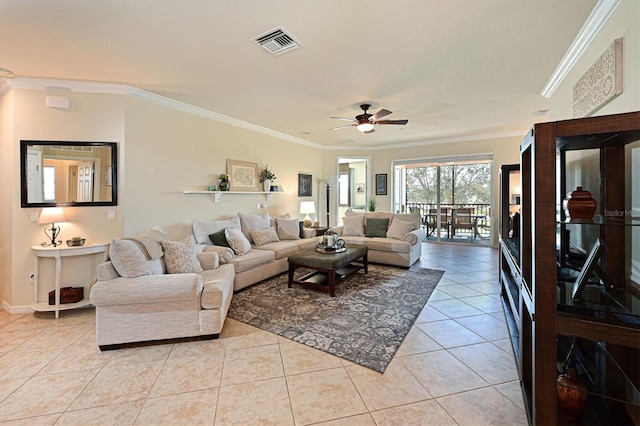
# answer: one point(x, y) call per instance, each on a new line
point(90, 118)
point(9, 179)
point(169, 152)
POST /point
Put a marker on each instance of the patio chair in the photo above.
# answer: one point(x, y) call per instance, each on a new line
point(461, 219)
point(432, 221)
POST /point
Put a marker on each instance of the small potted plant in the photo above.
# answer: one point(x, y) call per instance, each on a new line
point(223, 183)
point(373, 204)
point(266, 177)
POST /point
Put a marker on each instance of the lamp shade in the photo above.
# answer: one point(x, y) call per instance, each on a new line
point(52, 215)
point(307, 207)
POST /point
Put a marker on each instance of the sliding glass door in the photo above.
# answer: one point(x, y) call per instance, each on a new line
point(452, 196)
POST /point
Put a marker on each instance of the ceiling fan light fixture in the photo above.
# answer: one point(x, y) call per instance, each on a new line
point(365, 127)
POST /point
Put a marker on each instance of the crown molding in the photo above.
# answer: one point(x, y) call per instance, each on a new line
point(125, 90)
point(596, 20)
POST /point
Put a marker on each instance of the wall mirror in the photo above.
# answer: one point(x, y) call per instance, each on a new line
point(55, 173)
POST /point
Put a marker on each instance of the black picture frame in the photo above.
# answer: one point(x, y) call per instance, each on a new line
point(305, 186)
point(381, 184)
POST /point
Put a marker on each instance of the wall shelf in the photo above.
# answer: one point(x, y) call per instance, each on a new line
point(217, 195)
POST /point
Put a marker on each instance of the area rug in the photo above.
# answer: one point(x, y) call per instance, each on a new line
point(365, 323)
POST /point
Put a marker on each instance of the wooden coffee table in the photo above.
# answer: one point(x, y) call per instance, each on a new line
point(327, 267)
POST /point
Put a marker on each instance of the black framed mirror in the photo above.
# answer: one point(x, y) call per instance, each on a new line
point(61, 173)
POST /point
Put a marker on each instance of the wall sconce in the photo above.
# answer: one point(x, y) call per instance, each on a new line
point(52, 215)
point(307, 207)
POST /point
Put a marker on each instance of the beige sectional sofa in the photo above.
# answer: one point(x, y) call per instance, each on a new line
point(392, 238)
point(260, 258)
point(151, 288)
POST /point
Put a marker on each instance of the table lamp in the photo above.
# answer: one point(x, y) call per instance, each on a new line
point(307, 207)
point(52, 215)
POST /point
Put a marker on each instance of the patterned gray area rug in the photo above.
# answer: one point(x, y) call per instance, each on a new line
point(365, 323)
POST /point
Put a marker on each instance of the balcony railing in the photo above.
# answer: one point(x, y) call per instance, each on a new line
point(481, 213)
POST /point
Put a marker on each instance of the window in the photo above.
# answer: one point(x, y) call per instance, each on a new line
point(49, 181)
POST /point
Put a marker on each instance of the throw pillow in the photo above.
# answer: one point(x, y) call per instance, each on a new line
point(376, 227)
point(180, 256)
point(219, 239)
point(202, 229)
point(399, 228)
point(253, 222)
point(272, 219)
point(264, 236)
point(237, 241)
point(288, 229)
point(131, 258)
point(353, 225)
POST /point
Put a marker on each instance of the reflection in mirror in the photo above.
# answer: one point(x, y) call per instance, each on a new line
point(57, 173)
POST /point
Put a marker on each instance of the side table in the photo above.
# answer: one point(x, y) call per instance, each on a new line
point(320, 230)
point(58, 253)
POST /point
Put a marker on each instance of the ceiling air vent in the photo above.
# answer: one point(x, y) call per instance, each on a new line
point(277, 41)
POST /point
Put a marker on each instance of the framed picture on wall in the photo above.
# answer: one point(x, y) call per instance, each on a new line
point(304, 185)
point(381, 184)
point(243, 175)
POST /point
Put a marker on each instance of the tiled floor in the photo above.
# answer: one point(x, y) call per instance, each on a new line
point(455, 367)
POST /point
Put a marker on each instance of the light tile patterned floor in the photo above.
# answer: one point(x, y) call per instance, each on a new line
point(455, 367)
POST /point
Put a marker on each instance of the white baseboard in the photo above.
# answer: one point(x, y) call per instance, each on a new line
point(15, 310)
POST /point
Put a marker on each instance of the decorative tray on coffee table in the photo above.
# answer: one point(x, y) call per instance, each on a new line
point(328, 250)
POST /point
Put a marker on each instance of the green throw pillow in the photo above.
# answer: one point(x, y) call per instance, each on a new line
point(219, 239)
point(376, 227)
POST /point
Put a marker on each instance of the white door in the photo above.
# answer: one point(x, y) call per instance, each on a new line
point(85, 182)
point(35, 193)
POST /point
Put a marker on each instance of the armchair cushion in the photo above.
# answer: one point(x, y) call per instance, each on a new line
point(180, 257)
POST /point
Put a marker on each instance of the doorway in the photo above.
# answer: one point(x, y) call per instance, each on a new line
point(353, 185)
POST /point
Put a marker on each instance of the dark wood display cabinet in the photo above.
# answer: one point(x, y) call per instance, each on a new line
point(572, 285)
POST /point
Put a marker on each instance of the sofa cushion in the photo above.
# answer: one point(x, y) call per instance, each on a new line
point(253, 259)
point(202, 229)
point(399, 228)
point(274, 219)
point(180, 257)
point(253, 222)
point(264, 236)
point(353, 225)
point(409, 217)
point(282, 249)
point(130, 259)
point(376, 227)
point(288, 229)
point(219, 239)
point(388, 244)
point(237, 241)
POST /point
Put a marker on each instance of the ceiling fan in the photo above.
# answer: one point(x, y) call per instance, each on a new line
point(365, 122)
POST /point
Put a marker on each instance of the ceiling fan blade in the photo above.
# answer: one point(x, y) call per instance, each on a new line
point(392, 122)
point(382, 113)
point(342, 127)
point(342, 118)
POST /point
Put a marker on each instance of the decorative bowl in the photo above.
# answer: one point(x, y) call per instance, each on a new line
point(76, 243)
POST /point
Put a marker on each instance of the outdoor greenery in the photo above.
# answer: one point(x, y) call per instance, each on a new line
point(460, 184)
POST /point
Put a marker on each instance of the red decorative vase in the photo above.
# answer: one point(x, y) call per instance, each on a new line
point(572, 395)
point(580, 204)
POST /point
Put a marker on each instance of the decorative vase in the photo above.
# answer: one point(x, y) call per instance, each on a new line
point(224, 185)
point(266, 185)
point(580, 204)
point(572, 395)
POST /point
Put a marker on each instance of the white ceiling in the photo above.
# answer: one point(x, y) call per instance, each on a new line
point(453, 68)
